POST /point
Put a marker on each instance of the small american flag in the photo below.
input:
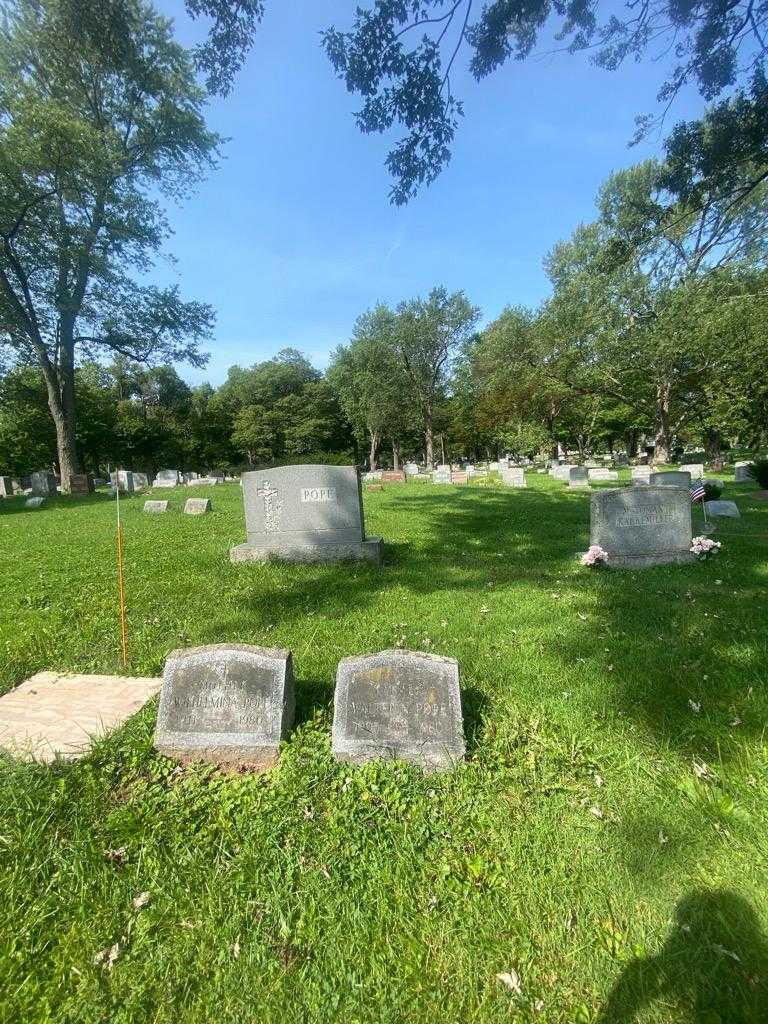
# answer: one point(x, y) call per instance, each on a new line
point(697, 491)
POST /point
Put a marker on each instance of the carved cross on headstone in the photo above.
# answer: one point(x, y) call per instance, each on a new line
point(272, 507)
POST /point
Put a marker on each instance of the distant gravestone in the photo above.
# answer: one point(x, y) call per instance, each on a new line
point(34, 502)
point(81, 483)
point(563, 471)
point(124, 479)
point(411, 469)
point(601, 473)
point(372, 475)
point(696, 469)
point(673, 478)
point(578, 477)
point(226, 704)
point(155, 506)
point(641, 475)
point(168, 478)
point(642, 526)
point(6, 487)
point(513, 477)
point(197, 506)
point(722, 508)
point(622, 459)
point(469, 469)
point(442, 475)
point(741, 472)
point(43, 484)
point(305, 514)
point(140, 481)
point(393, 476)
point(398, 704)
point(459, 478)
point(494, 467)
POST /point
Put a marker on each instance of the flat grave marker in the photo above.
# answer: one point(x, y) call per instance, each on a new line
point(671, 478)
point(197, 506)
point(155, 505)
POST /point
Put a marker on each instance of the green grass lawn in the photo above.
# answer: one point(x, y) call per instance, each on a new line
point(576, 849)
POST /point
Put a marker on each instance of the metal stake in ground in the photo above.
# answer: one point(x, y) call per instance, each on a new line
point(121, 577)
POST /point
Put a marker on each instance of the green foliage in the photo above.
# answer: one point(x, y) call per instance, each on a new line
point(759, 471)
point(712, 490)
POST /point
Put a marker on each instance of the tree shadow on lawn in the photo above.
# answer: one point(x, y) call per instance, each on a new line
point(59, 503)
point(714, 965)
point(667, 628)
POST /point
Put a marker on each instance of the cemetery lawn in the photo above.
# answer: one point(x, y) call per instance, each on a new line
point(604, 848)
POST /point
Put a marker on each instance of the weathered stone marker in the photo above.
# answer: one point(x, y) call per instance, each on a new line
point(696, 469)
point(459, 478)
point(672, 478)
point(411, 469)
point(741, 472)
point(227, 704)
point(305, 514)
point(81, 483)
point(155, 506)
point(6, 487)
point(197, 506)
point(513, 477)
point(641, 475)
point(34, 502)
point(43, 484)
point(602, 473)
point(442, 475)
point(642, 526)
point(722, 508)
point(393, 476)
point(398, 704)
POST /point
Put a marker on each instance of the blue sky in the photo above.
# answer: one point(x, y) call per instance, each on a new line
point(294, 235)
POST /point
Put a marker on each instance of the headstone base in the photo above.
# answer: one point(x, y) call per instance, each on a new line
point(646, 561)
point(369, 550)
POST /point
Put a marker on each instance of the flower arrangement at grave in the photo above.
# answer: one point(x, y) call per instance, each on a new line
point(705, 547)
point(595, 557)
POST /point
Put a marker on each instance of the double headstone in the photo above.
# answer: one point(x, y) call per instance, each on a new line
point(442, 475)
point(642, 526)
point(305, 514)
point(226, 704)
point(124, 479)
point(696, 469)
point(398, 704)
point(411, 469)
point(393, 476)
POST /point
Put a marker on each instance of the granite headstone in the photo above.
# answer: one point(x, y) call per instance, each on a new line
point(168, 478)
point(6, 487)
point(729, 509)
point(226, 704)
point(305, 514)
point(154, 505)
point(513, 477)
point(398, 704)
point(197, 506)
point(43, 484)
point(642, 526)
point(670, 478)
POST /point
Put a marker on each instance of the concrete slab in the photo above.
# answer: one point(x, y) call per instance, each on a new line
point(57, 713)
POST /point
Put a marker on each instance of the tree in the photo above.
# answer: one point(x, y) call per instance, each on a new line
point(426, 336)
point(399, 55)
point(626, 289)
point(371, 385)
point(84, 142)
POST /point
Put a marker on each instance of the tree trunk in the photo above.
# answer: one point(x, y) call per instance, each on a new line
point(442, 447)
point(663, 436)
point(373, 451)
point(395, 456)
point(713, 445)
point(429, 441)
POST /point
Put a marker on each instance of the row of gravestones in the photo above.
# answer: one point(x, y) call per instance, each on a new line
point(315, 514)
point(192, 506)
point(232, 705)
point(444, 474)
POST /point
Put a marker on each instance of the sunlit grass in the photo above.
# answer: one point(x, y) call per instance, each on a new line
point(582, 846)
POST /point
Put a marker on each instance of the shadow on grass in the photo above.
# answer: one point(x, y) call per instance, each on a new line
point(714, 964)
point(59, 503)
point(668, 627)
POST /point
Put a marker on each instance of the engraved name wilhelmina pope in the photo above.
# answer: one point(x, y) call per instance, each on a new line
point(305, 514)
